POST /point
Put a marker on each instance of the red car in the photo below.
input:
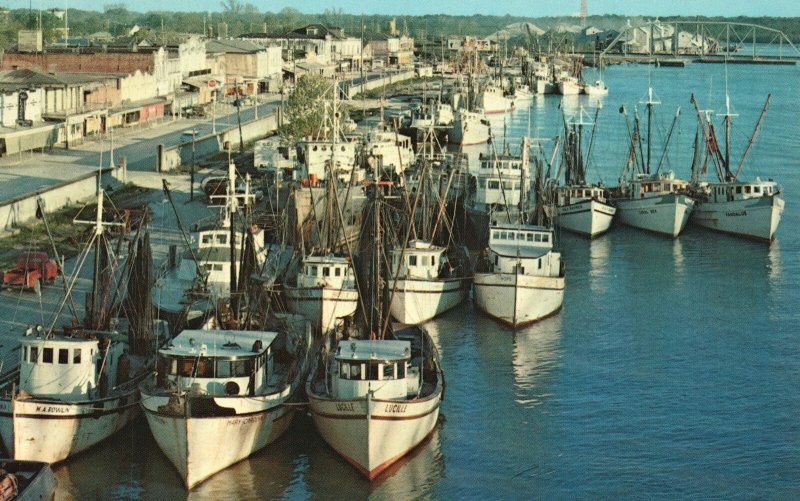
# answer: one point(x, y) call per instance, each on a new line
point(32, 267)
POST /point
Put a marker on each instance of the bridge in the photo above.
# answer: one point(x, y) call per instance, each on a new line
point(731, 41)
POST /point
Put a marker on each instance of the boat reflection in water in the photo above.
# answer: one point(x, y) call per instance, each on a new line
point(599, 254)
point(774, 264)
point(536, 353)
point(133, 467)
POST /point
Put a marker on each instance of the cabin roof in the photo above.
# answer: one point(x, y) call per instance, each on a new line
point(360, 349)
point(219, 343)
point(329, 260)
point(58, 341)
point(521, 227)
point(420, 246)
point(524, 251)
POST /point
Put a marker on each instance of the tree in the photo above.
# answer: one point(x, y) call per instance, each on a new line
point(307, 108)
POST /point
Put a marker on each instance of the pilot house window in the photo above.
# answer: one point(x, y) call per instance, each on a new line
point(63, 356)
point(47, 355)
point(76, 356)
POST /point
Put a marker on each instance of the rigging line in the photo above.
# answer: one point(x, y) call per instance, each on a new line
point(56, 255)
point(78, 268)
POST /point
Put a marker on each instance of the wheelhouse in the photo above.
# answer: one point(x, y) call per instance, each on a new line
point(418, 260)
point(646, 186)
point(326, 271)
point(567, 195)
point(68, 368)
point(218, 362)
point(728, 192)
point(381, 367)
point(523, 249)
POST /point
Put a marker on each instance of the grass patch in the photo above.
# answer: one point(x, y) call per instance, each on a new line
point(69, 237)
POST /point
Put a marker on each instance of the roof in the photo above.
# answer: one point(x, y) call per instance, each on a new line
point(232, 46)
point(26, 78)
point(360, 349)
point(219, 343)
point(322, 32)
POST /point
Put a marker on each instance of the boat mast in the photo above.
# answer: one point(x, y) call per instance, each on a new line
point(232, 205)
point(753, 136)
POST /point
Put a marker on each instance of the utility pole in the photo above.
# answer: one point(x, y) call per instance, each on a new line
point(191, 178)
point(111, 153)
point(213, 111)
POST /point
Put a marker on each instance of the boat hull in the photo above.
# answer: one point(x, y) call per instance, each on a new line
point(467, 133)
point(756, 218)
point(52, 431)
point(587, 217)
point(666, 214)
point(417, 301)
point(322, 306)
point(199, 447)
point(568, 88)
point(518, 300)
point(372, 435)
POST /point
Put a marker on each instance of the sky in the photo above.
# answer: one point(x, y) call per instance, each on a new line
point(529, 8)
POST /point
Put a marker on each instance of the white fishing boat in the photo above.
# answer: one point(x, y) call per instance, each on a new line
point(658, 203)
point(584, 210)
point(219, 396)
point(374, 401)
point(426, 284)
point(652, 200)
point(522, 92)
point(324, 291)
point(749, 209)
point(494, 100)
point(520, 279)
point(391, 151)
point(469, 127)
point(75, 386)
point(568, 85)
point(543, 79)
point(192, 284)
point(596, 89)
point(501, 181)
point(576, 205)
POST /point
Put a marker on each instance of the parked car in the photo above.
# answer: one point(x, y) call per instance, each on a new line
point(32, 268)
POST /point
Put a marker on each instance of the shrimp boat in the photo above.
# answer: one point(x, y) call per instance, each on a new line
point(494, 100)
point(188, 291)
point(501, 183)
point(375, 400)
point(221, 395)
point(469, 127)
point(521, 278)
point(750, 209)
point(77, 386)
point(324, 291)
point(652, 200)
point(426, 283)
point(580, 207)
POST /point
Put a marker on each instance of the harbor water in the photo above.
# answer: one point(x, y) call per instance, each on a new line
point(672, 369)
